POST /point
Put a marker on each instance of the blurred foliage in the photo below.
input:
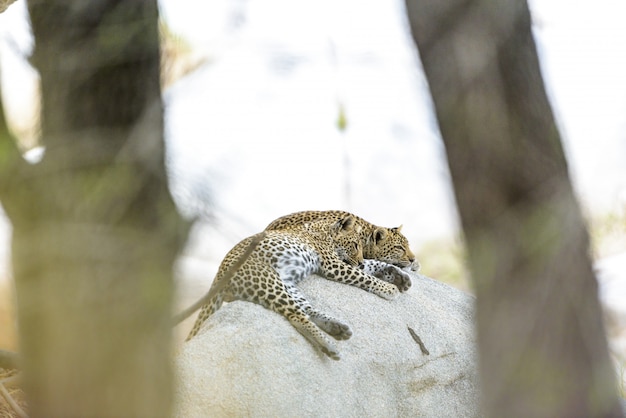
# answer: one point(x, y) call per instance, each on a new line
point(608, 233)
point(444, 260)
point(178, 57)
point(342, 120)
point(4, 4)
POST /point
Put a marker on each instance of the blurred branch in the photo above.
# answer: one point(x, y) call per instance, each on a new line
point(4, 4)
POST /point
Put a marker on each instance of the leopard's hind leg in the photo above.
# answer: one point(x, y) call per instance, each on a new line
point(305, 326)
point(330, 325)
point(286, 300)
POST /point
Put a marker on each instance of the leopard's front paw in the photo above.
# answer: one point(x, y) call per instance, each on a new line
point(394, 275)
point(388, 292)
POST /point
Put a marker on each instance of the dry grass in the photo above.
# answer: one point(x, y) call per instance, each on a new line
point(8, 341)
point(15, 392)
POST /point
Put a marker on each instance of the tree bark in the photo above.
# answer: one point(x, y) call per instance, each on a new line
point(95, 231)
point(542, 346)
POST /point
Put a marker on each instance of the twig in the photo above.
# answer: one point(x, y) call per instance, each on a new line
point(217, 286)
point(419, 341)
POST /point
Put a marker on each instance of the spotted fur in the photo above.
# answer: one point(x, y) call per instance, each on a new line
point(388, 245)
point(268, 277)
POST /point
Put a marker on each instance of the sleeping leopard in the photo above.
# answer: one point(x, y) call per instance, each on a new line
point(331, 248)
point(380, 244)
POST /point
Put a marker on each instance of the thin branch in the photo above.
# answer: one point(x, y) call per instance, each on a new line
point(419, 341)
point(219, 285)
point(4, 4)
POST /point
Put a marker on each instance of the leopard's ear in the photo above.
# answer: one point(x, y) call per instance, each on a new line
point(347, 223)
point(397, 229)
point(379, 235)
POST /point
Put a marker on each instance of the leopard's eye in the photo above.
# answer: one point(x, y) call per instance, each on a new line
point(400, 249)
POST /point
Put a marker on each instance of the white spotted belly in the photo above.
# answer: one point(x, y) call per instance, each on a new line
point(295, 264)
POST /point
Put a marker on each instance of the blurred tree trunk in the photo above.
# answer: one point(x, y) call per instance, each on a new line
point(95, 231)
point(543, 351)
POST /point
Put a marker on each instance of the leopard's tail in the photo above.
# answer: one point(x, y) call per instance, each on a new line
point(207, 310)
point(180, 317)
point(219, 283)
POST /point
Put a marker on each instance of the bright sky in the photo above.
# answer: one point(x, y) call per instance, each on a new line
point(581, 44)
point(584, 57)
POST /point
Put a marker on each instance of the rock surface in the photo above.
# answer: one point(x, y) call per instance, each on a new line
point(249, 361)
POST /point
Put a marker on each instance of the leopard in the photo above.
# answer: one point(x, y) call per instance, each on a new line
point(381, 246)
point(269, 276)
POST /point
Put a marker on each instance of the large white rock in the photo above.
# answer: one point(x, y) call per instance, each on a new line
point(249, 361)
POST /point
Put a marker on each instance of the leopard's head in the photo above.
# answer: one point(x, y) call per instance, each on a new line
point(390, 246)
point(347, 242)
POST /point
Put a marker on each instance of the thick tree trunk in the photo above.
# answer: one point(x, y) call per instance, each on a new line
point(543, 351)
point(95, 231)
